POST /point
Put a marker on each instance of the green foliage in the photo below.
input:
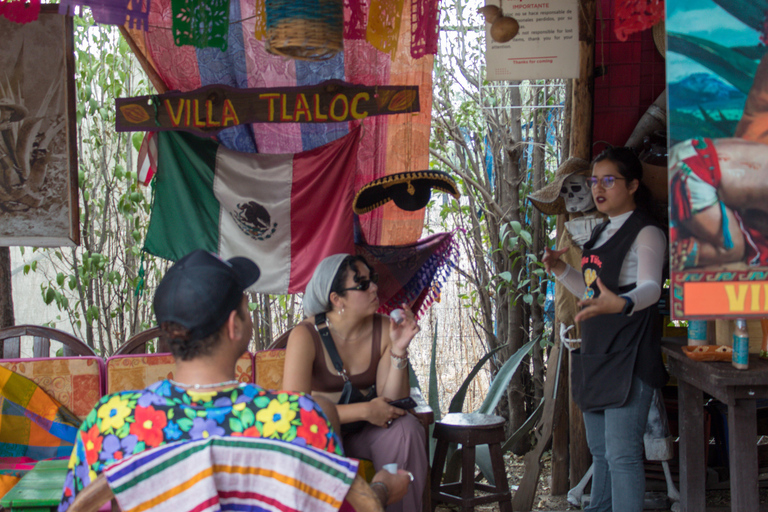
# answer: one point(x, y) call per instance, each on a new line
point(95, 285)
point(730, 65)
point(501, 380)
point(457, 402)
point(749, 12)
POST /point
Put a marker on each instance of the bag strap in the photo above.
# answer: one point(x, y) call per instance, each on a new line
point(330, 346)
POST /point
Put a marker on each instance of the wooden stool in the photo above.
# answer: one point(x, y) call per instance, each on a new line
point(470, 430)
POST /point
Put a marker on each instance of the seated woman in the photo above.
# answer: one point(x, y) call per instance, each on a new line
point(374, 351)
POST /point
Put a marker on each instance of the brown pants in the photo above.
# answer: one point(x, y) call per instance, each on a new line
point(404, 443)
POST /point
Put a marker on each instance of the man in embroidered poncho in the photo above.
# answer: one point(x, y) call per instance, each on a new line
point(202, 308)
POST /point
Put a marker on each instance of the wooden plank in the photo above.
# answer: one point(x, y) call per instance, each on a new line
point(742, 454)
point(11, 348)
point(692, 466)
point(41, 347)
point(560, 483)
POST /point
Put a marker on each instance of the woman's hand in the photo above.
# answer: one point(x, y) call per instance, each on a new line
point(401, 334)
point(607, 303)
point(552, 262)
point(381, 414)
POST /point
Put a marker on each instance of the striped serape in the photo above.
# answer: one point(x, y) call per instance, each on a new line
point(231, 473)
point(33, 424)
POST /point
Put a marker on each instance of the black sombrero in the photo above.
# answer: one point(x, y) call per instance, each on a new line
point(409, 190)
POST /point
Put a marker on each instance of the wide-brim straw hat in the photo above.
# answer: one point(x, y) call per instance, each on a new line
point(409, 190)
point(18, 112)
point(547, 199)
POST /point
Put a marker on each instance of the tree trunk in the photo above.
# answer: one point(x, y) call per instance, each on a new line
point(581, 146)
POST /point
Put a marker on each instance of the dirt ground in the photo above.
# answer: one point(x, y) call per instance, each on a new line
point(717, 499)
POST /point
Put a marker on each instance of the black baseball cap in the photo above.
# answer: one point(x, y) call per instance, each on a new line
point(200, 291)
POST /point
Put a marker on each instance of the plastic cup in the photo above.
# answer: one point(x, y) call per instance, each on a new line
point(392, 467)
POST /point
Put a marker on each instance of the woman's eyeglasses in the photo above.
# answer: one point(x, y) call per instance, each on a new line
point(364, 284)
point(607, 182)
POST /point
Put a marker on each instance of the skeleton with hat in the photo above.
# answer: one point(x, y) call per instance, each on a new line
point(569, 193)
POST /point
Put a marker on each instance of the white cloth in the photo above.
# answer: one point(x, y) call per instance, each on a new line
point(643, 264)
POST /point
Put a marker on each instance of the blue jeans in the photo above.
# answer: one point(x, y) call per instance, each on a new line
point(615, 438)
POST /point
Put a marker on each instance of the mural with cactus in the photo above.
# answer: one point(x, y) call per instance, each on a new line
point(36, 161)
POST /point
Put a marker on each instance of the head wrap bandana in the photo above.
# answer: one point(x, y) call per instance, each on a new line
point(317, 295)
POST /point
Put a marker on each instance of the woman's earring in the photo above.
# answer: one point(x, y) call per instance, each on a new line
point(341, 311)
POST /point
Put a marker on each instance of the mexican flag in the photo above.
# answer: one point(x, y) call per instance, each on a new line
point(286, 212)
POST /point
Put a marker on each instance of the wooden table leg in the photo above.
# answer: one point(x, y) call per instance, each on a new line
point(692, 445)
point(742, 454)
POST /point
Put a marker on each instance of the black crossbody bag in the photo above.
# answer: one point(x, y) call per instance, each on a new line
point(349, 393)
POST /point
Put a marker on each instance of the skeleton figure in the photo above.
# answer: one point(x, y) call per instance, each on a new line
point(576, 194)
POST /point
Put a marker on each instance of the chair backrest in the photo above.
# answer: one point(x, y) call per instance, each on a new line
point(137, 371)
point(268, 368)
point(41, 336)
point(77, 382)
point(137, 344)
point(281, 341)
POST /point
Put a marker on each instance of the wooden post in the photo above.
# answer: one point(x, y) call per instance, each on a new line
point(560, 456)
point(6, 292)
point(581, 146)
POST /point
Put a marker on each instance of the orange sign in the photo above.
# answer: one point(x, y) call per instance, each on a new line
point(728, 298)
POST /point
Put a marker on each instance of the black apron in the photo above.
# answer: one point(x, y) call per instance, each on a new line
point(614, 347)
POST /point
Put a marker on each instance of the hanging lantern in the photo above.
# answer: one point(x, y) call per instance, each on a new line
point(307, 30)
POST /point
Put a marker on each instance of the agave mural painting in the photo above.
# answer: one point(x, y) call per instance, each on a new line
point(717, 74)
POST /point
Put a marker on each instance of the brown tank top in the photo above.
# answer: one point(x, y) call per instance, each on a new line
point(325, 381)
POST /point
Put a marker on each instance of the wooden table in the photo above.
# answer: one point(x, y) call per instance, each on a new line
point(39, 490)
point(739, 390)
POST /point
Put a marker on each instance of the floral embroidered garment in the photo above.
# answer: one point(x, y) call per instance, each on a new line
point(129, 422)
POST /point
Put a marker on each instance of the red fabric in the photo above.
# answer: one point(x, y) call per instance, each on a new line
point(19, 11)
point(310, 245)
point(633, 77)
point(425, 18)
point(636, 15)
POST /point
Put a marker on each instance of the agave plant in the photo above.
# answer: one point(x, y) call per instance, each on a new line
point(25, 138)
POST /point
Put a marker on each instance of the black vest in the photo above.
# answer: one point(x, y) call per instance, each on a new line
point(614, 347)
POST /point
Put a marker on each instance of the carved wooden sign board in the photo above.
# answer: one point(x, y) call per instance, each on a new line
point(210, 109)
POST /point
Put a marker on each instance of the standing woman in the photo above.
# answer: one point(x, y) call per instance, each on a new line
point(619, 364)
point(374, 351)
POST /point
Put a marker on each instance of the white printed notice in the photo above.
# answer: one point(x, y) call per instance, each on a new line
point(547, 45)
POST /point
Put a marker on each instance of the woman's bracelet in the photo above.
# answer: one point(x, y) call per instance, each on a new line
point(399, 362)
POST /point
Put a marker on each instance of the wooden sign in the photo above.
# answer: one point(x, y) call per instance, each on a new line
point(213, 108)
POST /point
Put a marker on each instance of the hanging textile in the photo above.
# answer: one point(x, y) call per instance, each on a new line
point(201, 23)
point(636, 15)
point(425, 23)
point(413, 273)
point(132, 13)
point(396, 144)
point(287, 212)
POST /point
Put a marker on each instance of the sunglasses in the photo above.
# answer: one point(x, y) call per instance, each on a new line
point(607, 182)
point(364, 284)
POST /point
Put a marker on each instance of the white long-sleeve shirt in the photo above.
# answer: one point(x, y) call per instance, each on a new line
point(643, 264)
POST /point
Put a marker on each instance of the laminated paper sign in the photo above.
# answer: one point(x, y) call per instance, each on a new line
point(547, 45)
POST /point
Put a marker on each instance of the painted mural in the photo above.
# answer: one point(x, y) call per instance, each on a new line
point(717, 85)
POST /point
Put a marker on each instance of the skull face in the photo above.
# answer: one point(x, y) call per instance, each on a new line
point(576, 193)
